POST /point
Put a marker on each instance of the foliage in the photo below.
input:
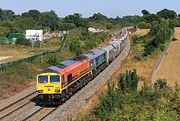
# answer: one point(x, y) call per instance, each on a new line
point(151, 18)
point(160, 84)
point(98, 17)
point(4, 31)
point(34, 14)
point(144, 25)
point(76, 47)
point(161, 35)
point(23, 41)
point(49, 20)
point(77, 20)
point(91, 40)
point(66, 26)
point(23, 23)
point(128, 81)
point(145, 12)
point(6, 14)
point(167, 14)
point(52, 59)
point(18, 74)
point(145, 104)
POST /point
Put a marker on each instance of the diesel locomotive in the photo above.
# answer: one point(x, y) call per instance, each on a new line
point(57, 83)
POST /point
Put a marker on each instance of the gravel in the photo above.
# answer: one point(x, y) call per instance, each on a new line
point(77, 102)
point(4, 103)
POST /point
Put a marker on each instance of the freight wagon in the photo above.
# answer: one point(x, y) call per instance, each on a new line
point(57, 83)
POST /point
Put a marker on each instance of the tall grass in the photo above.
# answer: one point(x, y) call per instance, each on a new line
point(18, 74)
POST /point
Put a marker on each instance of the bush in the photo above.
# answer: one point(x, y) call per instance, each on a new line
point(160, 35)
point(128, 81)
point(109, 26)
point(23, 41)
point(160, 84)
point(52, 60)
point(147, 104)
point(76, 47)
point(18, 74)
point(144, 25)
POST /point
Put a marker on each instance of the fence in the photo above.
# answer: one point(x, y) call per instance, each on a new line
point(160, 59)
point(5, 66)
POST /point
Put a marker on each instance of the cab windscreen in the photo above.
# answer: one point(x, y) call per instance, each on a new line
point(42, 79)
point(54, 79)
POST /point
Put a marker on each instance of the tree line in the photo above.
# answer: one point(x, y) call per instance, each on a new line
point(49, 20)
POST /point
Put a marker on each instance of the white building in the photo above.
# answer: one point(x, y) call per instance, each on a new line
point(34, 35)
point(93, 30)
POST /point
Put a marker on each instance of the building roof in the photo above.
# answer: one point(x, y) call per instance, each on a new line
point(15, 35)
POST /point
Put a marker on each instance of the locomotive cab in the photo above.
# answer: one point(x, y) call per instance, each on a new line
point(49, 86)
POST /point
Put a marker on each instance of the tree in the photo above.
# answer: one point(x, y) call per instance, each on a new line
point(23, 23)
point(155, 29)
point(35, 14)
point(76, 19)
point(179, 15)
point(167, 14)
point(7, 14)
point(66, 26)
point(145, 12)
point(49, 20)
point(23, 41)
point(98, 17)
point(4, 31)
point(151, 17)
point(76, 47)
point(1, 14)
point(144, 25)
point(52, 59)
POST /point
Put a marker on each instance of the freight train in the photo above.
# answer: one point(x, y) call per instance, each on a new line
point(57, 83)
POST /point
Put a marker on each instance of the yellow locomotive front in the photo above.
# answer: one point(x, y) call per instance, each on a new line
point(49, 87)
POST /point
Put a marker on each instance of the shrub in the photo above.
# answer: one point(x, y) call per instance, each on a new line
point(128, 81)
point(160, 84)
point(23, 41)
point(76, 47)
point(144, 25)
point(52, 60)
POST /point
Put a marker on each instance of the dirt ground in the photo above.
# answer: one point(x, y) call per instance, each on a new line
point(19, 52)
point(169, 67)
point(15, 54)
point(141, 32)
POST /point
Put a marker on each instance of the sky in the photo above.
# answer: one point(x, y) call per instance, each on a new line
point(110, 8)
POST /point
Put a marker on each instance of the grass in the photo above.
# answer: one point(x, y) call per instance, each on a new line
point(16, 78)
point(169, 67)
point(19, 52)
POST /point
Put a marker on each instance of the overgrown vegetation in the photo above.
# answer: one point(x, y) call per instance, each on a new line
point(19, 74)
point(127, 103)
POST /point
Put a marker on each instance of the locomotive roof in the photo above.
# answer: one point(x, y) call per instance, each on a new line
point(95, 53)
point(63, 64)
point(108, 47)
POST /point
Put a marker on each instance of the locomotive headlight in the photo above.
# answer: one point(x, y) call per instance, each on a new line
point(40, 91)
point(57, 90)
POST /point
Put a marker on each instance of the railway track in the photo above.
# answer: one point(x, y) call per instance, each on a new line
point(40, 114)
point(4, 112)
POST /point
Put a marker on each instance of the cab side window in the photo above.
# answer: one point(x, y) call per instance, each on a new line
point(69, 78)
